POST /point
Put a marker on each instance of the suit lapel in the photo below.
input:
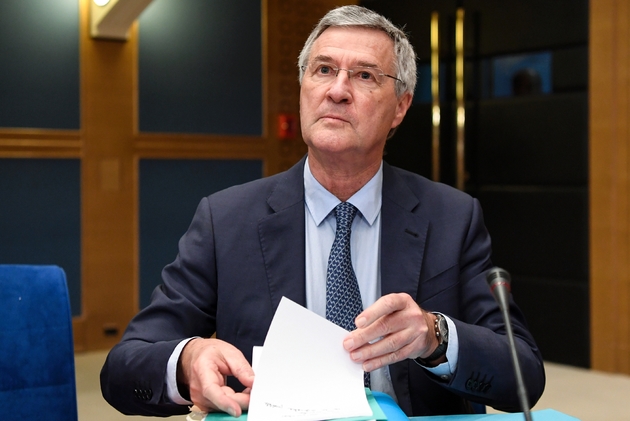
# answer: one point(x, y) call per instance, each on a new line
point(282, 238)
point(403, 238)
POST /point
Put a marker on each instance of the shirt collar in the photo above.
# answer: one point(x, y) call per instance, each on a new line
point(320, 202)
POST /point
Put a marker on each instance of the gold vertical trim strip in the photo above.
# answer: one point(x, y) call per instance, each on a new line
point(459, 92)
point(435, 94)
point(264, 49)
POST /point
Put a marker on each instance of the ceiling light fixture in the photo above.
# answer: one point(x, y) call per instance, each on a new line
point(111, 19)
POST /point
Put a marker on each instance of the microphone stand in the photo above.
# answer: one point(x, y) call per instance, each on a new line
point(502, 298)
point(522, 393)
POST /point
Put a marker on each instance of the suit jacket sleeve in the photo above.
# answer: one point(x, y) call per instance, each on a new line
point(184, 305)
point(231, 248)
point(485, 372)
point(457, 256)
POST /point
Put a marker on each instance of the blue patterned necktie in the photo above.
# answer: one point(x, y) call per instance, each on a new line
point(343, 298)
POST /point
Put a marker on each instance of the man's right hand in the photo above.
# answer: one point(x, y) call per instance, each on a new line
point(204, 365)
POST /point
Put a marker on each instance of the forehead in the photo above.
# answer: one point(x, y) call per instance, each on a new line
point(352, 45)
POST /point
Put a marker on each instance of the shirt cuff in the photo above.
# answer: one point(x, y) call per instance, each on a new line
point(447, 369)
point(171, 375)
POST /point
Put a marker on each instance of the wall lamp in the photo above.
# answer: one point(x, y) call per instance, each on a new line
point(111, 19)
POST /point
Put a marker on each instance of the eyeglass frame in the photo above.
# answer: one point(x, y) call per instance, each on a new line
point(351, 70)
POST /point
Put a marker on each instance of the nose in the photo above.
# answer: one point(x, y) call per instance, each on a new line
point(340, 89)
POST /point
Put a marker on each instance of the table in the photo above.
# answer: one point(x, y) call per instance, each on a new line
point(394, 413)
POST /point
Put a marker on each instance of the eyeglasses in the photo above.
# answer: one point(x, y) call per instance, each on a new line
point(360, 76)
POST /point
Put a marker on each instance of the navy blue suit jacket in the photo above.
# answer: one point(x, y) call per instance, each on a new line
point(244, 251)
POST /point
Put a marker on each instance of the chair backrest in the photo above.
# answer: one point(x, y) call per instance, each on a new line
point(37, 378)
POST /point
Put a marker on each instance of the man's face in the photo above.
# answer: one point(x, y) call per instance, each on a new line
point(341, 118)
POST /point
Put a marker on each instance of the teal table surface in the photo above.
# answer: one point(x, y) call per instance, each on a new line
point(542, 415)
point(391, 411)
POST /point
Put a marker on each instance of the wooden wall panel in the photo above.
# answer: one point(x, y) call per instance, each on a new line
point(609, 79)
point(108, 186)
point(38, 143)
point(288, 24)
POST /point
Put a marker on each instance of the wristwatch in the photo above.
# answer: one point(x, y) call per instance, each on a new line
point(441, 333)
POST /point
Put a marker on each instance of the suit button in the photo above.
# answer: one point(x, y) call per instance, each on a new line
point(475, 384)
point(143, 394)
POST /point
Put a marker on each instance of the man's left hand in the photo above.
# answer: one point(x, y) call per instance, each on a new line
point(390, 330)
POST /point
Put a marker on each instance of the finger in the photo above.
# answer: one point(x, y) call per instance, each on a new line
point(239, 367)
point(387, 359)
point(206, 376)
point(392, 343)
point(208, 386)
point(241, 398)
point(385, 305)
point(369, 334)
point(395, 332)
point(223, 398)
point(400, 319)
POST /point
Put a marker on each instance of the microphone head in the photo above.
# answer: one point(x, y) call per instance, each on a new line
point(498, 277)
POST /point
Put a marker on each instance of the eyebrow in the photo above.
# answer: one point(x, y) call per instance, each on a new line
point(328, 59)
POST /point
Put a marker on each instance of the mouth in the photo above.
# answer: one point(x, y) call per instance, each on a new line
point(333, 117)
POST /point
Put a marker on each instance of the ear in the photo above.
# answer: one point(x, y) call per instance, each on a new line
point(404, 102)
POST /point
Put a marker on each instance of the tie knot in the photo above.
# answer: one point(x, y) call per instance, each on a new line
point(345, 212)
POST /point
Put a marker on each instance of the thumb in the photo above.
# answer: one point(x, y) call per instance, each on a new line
point(239, 367)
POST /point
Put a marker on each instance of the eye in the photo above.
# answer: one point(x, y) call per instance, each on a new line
point(365, 75)
point(324, 70)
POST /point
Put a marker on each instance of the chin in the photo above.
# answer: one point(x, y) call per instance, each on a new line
point(331, 144)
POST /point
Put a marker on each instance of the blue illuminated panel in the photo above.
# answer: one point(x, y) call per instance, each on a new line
point(201, 67)
point(170, 191)
point(40, 217)
point(39, 64)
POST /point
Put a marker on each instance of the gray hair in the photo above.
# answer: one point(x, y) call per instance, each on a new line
point(357, 16)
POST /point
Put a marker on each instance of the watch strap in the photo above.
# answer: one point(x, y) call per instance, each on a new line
point(440, 350)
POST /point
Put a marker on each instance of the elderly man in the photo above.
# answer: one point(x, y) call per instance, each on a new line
point(384, 253)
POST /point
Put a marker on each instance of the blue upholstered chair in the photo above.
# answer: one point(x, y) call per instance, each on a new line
point(36, 348)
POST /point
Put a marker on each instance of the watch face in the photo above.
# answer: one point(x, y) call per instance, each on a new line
point(443, 328)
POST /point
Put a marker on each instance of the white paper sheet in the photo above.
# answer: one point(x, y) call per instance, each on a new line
point(304, 373)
